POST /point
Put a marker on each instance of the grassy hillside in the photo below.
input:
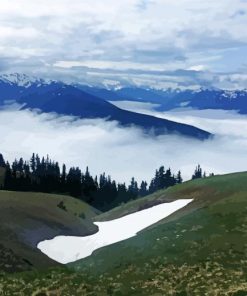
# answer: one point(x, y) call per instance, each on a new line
point(28, 218)
point(202, 191)
point(200, 250)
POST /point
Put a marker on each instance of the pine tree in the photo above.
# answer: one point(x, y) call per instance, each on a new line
point(33, 163)
point(143, 189)
point(2, 162)
point(8, 182)
point(44, 175)
point(63, 177)
point(161, 180)
point(88, 187)
point(179, 179)
point(197, 173)
point(154, 184)
point(133, 188)
point(74, 179)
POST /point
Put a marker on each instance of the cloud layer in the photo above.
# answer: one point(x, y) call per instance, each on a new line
point(144, 41)
point(125, 152)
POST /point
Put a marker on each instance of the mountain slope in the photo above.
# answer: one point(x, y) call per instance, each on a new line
point(192, 252)
point(198, 190)
point(172, 99)
point(127, 94)
point(52, 96)
point(200, 250)
point(68, 100)
point(28, 218)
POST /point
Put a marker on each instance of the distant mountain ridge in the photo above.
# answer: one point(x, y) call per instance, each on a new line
point(15, 86)
point(55, 96)
point(172, 99)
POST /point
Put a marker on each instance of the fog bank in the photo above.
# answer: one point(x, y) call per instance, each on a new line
point(125, 152)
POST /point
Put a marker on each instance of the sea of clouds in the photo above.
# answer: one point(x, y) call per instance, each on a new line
point(125, 152)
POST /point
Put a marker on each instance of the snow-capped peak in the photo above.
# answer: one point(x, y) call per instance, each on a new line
point(233, 94)
point(22, 80)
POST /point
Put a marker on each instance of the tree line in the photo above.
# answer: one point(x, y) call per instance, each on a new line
point(44, 175)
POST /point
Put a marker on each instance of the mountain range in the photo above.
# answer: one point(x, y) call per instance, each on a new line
point(175, 98)
point(58, 97)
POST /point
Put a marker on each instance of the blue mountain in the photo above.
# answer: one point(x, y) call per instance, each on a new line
point(126, 94)
point(68, 100)
point(65, 99)
point(172, 99)
point(210, 99)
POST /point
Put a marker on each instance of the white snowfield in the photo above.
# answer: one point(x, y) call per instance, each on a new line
point(66, 249)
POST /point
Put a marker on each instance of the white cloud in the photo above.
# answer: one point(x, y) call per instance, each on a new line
point(198, 68)
point(125, 152)
point(219, 122)
point(117, 65)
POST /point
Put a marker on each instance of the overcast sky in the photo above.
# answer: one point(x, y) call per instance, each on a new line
point(160, 43)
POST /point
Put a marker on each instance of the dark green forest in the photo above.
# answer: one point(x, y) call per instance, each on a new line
point(41, 174)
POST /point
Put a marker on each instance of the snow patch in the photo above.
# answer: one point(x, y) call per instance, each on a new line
point(230, 95)
point(66, 249)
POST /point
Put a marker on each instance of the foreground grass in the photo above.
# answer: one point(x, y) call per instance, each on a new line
point(153, 278)
point(201, 250)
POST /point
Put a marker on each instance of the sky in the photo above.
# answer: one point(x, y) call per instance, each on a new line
point(152, 43)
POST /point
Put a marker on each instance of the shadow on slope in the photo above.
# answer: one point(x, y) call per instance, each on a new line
point(28, 218)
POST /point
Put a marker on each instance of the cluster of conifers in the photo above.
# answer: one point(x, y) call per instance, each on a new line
point(44, 175)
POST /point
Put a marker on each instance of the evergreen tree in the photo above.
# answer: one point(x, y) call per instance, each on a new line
point(123, 195)
point(74, 179)
point(198, 173)
point(143, 189)
point(163, 179)
point(44, 175)
point(133, 189)
point(37, 161)
point(2, 162)
point(88, 187)
point(179, 179)
point(33, 163)
point(63, 178)
point(8, 182)
point(170, 179)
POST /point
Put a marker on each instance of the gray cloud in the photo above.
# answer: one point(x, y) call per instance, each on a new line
point(132, 37)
